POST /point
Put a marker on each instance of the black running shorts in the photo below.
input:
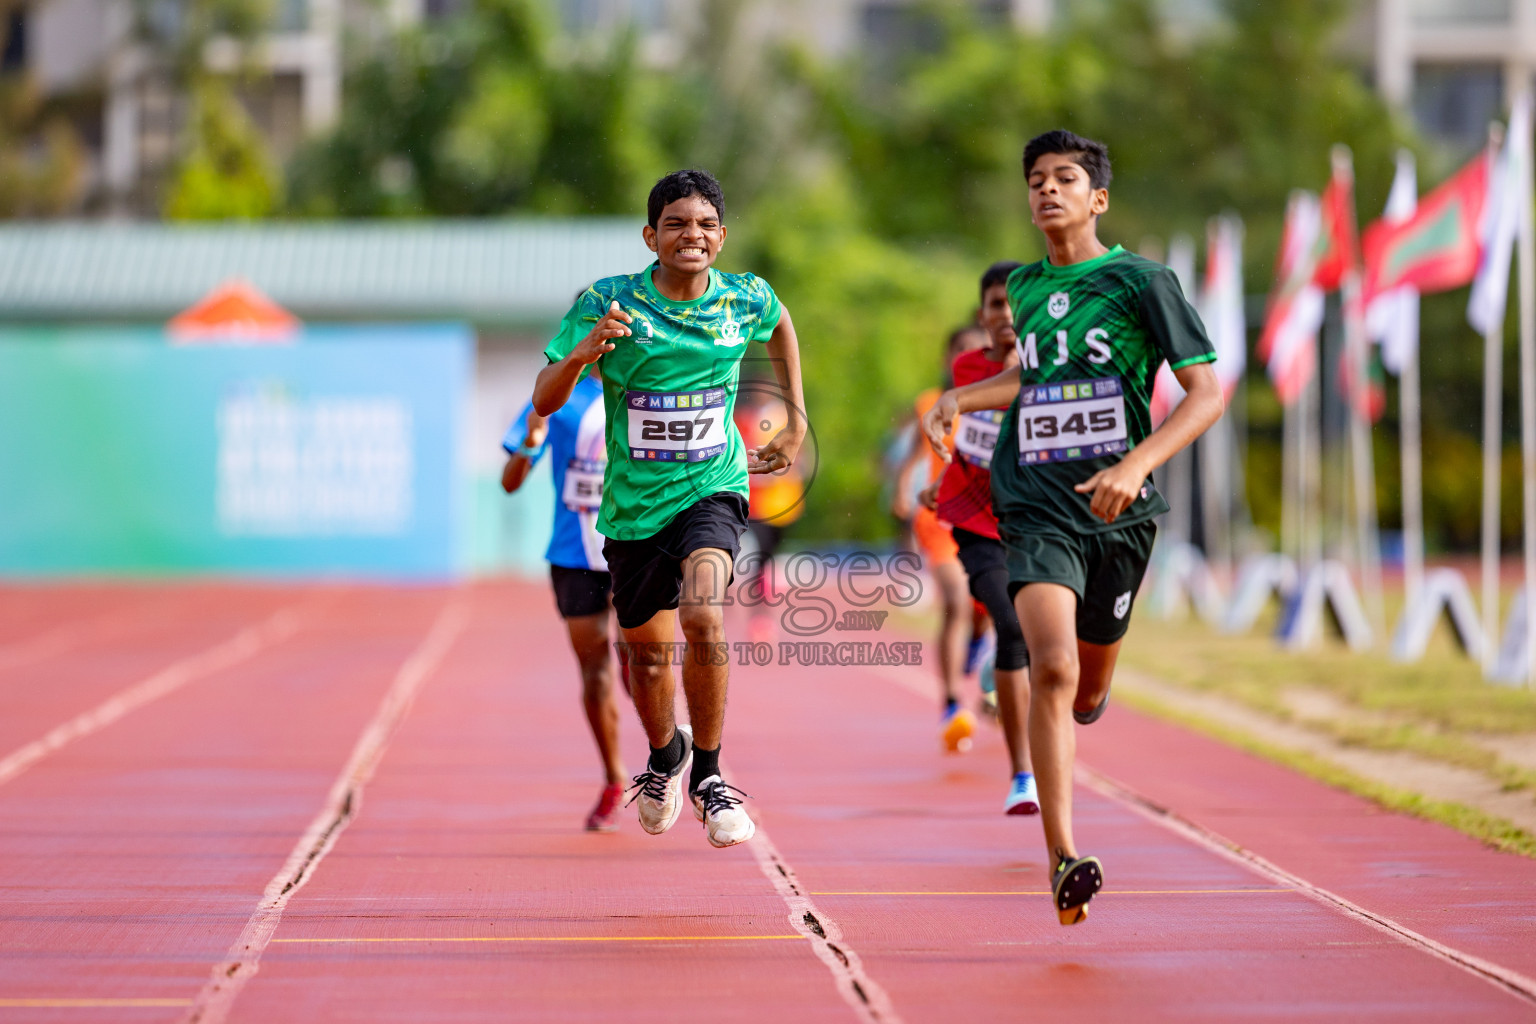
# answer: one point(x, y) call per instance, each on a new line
point(1103, 569)
point(648, 574)
point(978, 552)
point(579, 592)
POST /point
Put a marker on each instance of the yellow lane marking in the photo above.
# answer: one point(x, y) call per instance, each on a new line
point(87, 1003)
point(558, 938)
point(1047, 892)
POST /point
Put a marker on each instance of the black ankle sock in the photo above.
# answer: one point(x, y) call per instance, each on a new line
point(705, 764)
point(665, 759)
point(950, 704)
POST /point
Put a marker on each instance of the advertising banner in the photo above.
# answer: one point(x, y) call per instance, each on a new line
point(333, 455)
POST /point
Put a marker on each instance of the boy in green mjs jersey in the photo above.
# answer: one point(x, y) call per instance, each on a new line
point(1070, 474)
point(670, 341)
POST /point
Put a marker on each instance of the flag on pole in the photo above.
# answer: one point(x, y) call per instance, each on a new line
point(1392, 316)
point(1438, 247)
point(1221, 300)
point(1485, 309)
point(1368, 396)
point(1288, 342)
point(1339, 253)
point(1338, 269)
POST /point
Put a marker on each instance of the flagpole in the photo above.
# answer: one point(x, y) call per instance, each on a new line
point(1361, 457)
point(1493, 420)
point(1526, 251)
point(1290, 493)
point(1493, 415)
point(1412, 476)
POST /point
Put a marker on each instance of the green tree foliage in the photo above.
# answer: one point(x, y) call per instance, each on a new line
point(224, 174)
point(870, 191)
point(222, 170)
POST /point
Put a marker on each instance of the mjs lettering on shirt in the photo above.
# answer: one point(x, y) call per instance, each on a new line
point(1097, 341)
point(677, 426)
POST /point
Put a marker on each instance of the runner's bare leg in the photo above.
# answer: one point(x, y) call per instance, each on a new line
point(589, 639)
point(1048, 613)
point(954, 602)
point(706, 666)
point(650, 675)
point(1013, 714)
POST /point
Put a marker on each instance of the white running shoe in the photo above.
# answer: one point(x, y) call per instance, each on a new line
point(1022, 796)
point(726, 821)
point(660, 797)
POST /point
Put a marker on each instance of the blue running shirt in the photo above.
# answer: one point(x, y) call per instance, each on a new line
point(577, 442)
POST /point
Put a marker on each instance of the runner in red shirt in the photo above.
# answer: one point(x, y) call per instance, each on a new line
point(964, 499)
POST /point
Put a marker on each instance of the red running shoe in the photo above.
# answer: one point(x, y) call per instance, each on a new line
point(604, 817)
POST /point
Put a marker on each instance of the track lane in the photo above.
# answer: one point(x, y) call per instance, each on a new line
point(880, 812)
point(86, 661)
point(471, 835)
point(1430, 878)
point(130, 859)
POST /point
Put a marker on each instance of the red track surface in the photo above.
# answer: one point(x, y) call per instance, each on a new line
point(134, 853)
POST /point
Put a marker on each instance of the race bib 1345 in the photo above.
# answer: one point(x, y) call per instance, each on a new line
point(1080, 419)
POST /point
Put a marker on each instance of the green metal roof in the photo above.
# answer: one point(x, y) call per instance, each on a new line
point(489, 271)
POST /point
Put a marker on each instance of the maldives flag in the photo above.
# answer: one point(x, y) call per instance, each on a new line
point(1436, 249)
point(1288, 343)
point(1339, 252)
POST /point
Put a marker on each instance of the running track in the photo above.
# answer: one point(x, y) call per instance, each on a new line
point(250, 803)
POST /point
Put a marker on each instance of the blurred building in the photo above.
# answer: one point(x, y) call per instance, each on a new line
point(109, 63)
point(1454, 64)
point(1451, 64)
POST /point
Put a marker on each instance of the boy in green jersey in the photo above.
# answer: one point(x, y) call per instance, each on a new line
point(670, 341)
point(1070, 473)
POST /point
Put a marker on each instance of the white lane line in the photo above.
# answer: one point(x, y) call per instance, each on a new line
point(218, 996)
point(867, 999)
point(240, 647)
point(1509, 981)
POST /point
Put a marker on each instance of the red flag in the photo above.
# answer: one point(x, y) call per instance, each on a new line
point(1341, 253)
point(1436, 249)
point(1368, 396)
point(1288, 343)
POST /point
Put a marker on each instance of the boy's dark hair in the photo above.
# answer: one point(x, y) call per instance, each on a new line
point(997, 273)
point(679, 185)
point(953, 341)
point(1091, 156)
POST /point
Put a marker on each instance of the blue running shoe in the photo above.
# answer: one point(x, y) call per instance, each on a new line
point(987, 677)
point(1022, 798)
point(979, 649)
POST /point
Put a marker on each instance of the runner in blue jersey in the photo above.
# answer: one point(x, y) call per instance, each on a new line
point(575, 439)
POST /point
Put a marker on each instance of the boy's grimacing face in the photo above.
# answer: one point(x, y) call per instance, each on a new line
point(1061, 198)
point(997, 317)
point(688, 235)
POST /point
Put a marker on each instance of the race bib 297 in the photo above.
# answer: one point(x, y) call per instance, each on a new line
point(1080, 419)
point(676, 426)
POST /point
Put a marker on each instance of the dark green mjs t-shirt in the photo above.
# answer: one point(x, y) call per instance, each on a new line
point(1091, 338)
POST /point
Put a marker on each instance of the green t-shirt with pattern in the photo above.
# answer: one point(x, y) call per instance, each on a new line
point(669, 390)
point(1091, 338)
